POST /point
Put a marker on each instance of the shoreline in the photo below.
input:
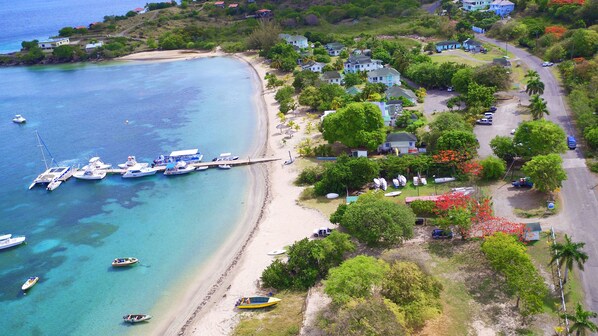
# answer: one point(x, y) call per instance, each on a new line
point(208, 305)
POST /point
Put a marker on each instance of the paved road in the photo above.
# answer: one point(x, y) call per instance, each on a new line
point(579, 192)
point(505, 119)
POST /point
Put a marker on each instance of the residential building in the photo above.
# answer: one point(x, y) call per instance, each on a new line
point(295, 40)
point(332, 77)
point(334, 48)
point(401, 143)
point(49, 45)
point(263, 13)
point(395, 107)
point(447, 45)
point(388, 120)
point(395, 92)
point(502, 8)
point(233, 6)
point(219, 4)
point(353, 90)
point(91, 46)
point(313, 66)
point(474, 5)
point(472, 45)
point(388, 76)
point(357, 63)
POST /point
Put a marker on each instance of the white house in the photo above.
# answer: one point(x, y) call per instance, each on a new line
point(357, 63)
point(402, 142)
point(313, 66)
point(332, 77)
point(388, 76)
point(296, 40)
point(334, 48)
point(474, 5)
point(91, 46)
point(49, 45)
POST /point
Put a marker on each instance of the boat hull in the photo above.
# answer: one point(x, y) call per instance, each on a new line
point(124, 262)
point(95, 176)
point(29, 283)
point(258, 302)
point(179, 171)
point(12, 242)
point(136, 318)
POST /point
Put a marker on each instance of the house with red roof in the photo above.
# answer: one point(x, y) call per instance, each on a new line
point(233, 5)
point(263, 13)
point(219, 4)
point(138, 10)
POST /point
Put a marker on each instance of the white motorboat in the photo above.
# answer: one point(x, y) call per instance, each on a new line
point(443, 179)
point(393, 194)
point(200, 168)
point(8, 240)
point(189, 156)
point(396, 183)
point(178, 168)
point(29, 283)
point(19, 119)
point(383, 184)
point(224, 166)
point(226, 157)
point(96, 163)
point(90, 174)
point(132, 162)
point(53, 176)
point(139, 170)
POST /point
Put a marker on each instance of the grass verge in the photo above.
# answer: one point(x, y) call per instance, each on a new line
point(284, 319)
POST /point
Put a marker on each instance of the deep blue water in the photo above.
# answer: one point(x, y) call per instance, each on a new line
point(26, 20)
point(172, 224)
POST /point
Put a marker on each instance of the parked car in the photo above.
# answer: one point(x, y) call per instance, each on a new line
point(492, 109)
point(571, 143)
point(449, 89)
point(513, 131)
point(484, 121)
point(322, 232)
point(420, 221)
point(547, 64)
point(523, 182)
point(442, 234)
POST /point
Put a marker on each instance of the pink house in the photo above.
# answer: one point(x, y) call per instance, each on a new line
point(233, 5)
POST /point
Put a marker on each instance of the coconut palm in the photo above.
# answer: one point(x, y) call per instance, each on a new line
point(531, 74)
point(568, 252)
point(537, 107)
point(534, 86)
point(581, 323)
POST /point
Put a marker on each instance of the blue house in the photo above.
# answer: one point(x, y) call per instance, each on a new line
point(472, 45)
point(502, 8)
point(447, 45)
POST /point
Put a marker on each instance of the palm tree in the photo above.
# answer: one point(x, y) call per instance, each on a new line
point(537, 107)
point(567, 253)
point(531, 74)
point(581, 321)
point(534, 86)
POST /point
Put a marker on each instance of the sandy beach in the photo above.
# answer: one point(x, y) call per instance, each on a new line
point(273, 220)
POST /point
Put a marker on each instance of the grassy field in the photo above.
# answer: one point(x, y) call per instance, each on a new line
point(284, 319)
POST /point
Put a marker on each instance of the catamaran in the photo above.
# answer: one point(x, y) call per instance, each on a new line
point(189, 156)
point(54, 175)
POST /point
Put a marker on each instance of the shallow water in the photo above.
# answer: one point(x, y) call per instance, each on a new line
point(172, 224)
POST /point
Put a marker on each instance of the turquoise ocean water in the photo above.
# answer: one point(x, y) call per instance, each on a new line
point(172, 224)
point(25, 20)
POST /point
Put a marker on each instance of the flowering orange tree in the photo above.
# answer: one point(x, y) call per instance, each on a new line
point(566, 2)
point(557, 31)
point(472, 168)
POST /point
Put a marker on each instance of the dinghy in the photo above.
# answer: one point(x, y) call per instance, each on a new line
point(277, 252)
point(376, 183)
point(392, 194)
point(383, 184)
point(443, 179)
point(396, 183)
point(29, 283)
point(256, 302)
point(122, 262)
point(402, 180)
point(135, 318)
point(331, 195)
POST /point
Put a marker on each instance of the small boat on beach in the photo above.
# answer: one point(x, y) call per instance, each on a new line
point(402, 180)
point(443, 179)
point(332, 195)
point(135, 318)
point(123, 262)
point(19, 119)
point(96, 163)
point(132, 162)
point(29, 283)
point(139, 171)
point(396, 183)
point(393, 194)
point(255, 302)
point(383, 184)
point(8, 240)
point(376, 183)
point(276, 252)
point(178, 168)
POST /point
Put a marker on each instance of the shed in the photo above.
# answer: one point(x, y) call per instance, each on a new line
point(359, 153)
point(531, 231)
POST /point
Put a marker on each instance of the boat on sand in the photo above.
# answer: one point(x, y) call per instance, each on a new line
point(123, 262)
point(277, 252)
point(29, 283)
point(135, 318)
point(255, 302)
point(393, 194)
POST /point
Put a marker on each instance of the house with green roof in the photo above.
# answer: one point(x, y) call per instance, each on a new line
point(388, 76)
point(395, 92)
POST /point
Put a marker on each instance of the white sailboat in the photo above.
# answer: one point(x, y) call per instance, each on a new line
point(53, 176)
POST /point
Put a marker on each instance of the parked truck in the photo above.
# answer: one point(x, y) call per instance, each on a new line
point(523, 182)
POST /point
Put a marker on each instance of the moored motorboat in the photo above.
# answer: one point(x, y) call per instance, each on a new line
point(8, 240)
point(178, 168)
point(256, 302)
point(122, 262)
point(139, 171)
point(19, 119)
point(200, 168)
point(189, 156)
point(132, 162)
point(90, 173)
point(225, 157)
point(96, 163)
point(29, 283)
point(135, 318)
point(224, 166)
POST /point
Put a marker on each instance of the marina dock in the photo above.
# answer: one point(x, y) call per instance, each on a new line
point(232, 163)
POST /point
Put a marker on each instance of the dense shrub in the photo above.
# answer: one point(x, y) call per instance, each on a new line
point(309, 175)
point(347, 172)
point(354, 278)
point(423, 208)
point(493, 168)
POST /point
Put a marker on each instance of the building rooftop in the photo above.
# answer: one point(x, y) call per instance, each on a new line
point(447, 43)
point(383, 72)
point(401, 136)
point(502, 3)
point(331, 75)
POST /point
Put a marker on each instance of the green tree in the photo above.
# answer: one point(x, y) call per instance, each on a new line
point(584, 43)
point(567, 254)
point(347, 172)
point(171, 41)
point(479, 95)
point(546, 171)
point(377, 221)
point(310, 96)
point(352, 79)
point(461, 79)
point(493, 168)
point(416, 294)
point(356, 125)
point(503, 147)
point(492, 75)
point(303, 79)
point(355, 278)
point(264, 36)
point(538, 107)
point(65, 53)
point(67, 31)
point(284, 93)
point(581, 323)
point(33, 55)
point(539, 137)
point(459, 141)
point(444, 122)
